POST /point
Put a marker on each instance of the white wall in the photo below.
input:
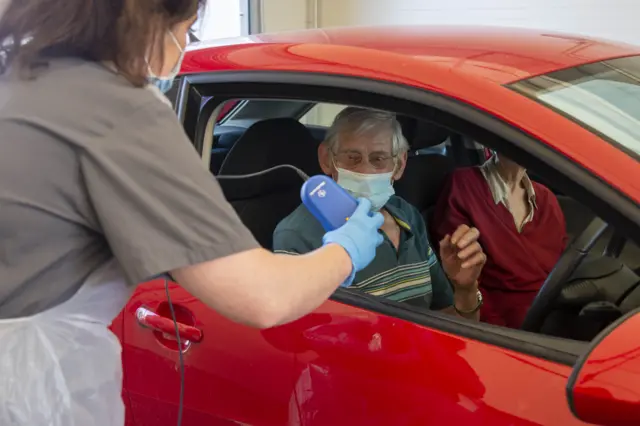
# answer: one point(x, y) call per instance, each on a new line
point(285, 15)
point(614, 19)
point(222, 19)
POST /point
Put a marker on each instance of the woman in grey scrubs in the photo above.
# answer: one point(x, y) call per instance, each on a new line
point(100, 189)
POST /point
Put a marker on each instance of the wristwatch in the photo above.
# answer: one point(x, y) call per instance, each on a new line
point(471, 311)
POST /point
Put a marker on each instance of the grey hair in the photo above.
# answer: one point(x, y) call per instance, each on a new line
point(358, 121)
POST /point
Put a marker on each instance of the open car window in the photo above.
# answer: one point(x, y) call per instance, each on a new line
point(617, 270)
point(612, 263)
point(602, 96)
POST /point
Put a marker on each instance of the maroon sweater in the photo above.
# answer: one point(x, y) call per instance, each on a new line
point(518, 263)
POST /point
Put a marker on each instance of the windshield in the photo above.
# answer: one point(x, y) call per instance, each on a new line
point(602, 96)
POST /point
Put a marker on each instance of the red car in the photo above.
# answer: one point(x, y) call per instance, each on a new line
point(566, 107)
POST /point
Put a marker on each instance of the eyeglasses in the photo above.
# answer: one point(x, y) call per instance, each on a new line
point(349, 160)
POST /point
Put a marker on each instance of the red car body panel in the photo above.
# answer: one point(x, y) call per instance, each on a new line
point(343, 365)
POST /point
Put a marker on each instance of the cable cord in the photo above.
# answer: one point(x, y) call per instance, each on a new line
point(300, 173)
point(180, 356)
point(304, 177)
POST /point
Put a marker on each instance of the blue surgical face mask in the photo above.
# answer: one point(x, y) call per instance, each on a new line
point(165, 83)
point(376, 187)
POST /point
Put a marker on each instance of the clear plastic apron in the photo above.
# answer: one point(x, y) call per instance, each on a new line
point(63, 367)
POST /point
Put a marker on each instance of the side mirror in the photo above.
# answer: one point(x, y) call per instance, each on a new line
point(604, 388)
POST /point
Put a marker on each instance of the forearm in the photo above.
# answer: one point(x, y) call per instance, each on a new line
point(262, 289)
point(308, 280)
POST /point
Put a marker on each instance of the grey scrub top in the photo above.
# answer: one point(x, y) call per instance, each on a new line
point(92, 168)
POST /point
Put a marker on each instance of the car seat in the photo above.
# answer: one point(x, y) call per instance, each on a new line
point(425, 173)
point(224, 138)
point(263, 201)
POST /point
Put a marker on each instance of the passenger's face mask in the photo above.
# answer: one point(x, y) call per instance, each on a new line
point(376, 187)
point(165, 83)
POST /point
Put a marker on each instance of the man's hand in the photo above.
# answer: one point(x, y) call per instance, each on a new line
point(462, 258)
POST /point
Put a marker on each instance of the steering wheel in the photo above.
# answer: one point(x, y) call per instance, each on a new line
point(559, 277)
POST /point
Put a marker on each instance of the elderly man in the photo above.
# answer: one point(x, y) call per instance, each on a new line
point(522, 227)
point(365, 152)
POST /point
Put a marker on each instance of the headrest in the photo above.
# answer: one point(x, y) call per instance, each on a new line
point(422, 134)
point(408, 125)
point(428, 135)
point(424, 175)
point(266, 144)
point(423, 178)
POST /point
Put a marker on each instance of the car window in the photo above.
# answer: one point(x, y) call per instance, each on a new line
point(425, 177)
point(252, 110)
point(322, 114)
point(603, 96)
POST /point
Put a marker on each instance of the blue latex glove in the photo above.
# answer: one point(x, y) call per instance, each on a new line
point(359, 236)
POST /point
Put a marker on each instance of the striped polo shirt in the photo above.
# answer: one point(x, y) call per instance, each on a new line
point(410, 274)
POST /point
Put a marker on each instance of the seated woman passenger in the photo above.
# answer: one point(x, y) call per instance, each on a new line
point(365, 152)
point(522, 231)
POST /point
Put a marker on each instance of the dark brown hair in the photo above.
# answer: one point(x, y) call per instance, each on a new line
point(117, 31)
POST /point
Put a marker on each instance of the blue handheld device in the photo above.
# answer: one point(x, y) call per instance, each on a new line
point(327, 201)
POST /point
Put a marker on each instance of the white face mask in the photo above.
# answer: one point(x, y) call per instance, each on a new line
point(165, 83)
point(376, 187)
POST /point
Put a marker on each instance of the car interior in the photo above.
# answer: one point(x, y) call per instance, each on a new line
point(262, 201)
point(604, 287)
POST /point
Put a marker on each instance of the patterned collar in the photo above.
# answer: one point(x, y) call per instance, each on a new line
point(500, 190)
